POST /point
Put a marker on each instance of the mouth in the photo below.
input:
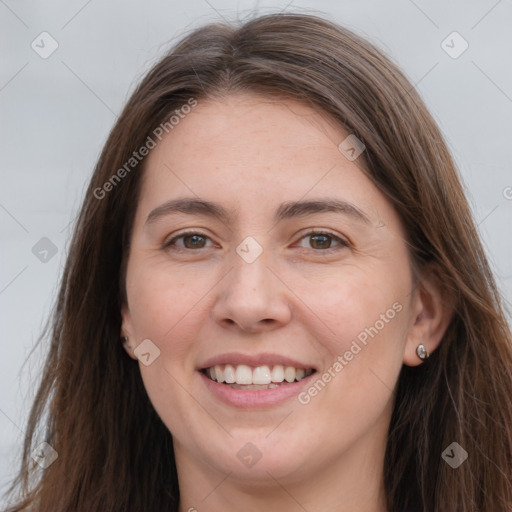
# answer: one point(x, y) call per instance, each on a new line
point(245, 377)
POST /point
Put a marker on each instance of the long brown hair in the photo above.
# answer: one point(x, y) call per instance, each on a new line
point(114, 452)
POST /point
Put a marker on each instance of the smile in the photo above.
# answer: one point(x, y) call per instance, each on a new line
point(242, 376)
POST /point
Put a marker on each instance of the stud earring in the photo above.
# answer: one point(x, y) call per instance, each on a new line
point(422, 352)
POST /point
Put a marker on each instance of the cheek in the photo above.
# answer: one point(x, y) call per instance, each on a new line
point(160, 297)
point(356, 305)
point(365, 340)
point(367, 353)
point(168, 308)
point(363, 325)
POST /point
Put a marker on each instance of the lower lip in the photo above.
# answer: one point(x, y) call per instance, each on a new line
point(255, 397)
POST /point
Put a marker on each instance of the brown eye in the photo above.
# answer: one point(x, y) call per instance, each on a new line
point(321, 241)
point(324, 241)
point(194, 241)
point(187, 241)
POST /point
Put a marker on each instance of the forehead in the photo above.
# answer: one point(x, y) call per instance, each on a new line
point(242, 126)
point(252, 151)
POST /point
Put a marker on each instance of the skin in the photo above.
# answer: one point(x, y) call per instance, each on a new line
point(297, 299)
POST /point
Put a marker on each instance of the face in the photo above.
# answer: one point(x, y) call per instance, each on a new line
point(282, 270)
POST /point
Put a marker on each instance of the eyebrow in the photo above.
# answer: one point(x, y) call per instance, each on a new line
point(287, 210)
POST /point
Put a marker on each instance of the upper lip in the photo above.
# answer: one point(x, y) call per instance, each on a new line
point(236, 358)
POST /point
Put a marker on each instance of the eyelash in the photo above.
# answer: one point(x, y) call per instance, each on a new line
point(341, 242)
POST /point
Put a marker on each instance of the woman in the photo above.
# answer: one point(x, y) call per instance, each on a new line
point(275, 297)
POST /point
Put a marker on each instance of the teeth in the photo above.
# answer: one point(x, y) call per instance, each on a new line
point(243, 374)
point(261, 377)
point(254, 386)
point(277, 373)
point(289, 374)
point(229, 374)
point(219, 374)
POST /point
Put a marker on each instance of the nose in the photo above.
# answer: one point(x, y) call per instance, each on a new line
point(252, 298)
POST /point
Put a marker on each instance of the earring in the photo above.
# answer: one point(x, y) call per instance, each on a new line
point(422, 352)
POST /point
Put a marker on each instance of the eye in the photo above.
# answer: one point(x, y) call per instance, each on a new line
point(319, 241)
point(190, 240)
point(323, 241)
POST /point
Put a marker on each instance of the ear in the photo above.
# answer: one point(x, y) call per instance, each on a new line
point(432, 310)
point(127, 330)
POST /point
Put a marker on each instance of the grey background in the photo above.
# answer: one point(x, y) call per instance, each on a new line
point(58, 111)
